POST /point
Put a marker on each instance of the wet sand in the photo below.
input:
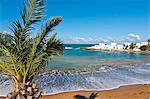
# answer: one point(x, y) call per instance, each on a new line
point(126, 92)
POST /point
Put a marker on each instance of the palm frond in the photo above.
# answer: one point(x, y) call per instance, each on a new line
point(52, 48)
point(48, 28)
point(7, 60)
point(24, 56)
point(32, 12)
point(38, 44)
point(20, 42)
point(40, 39)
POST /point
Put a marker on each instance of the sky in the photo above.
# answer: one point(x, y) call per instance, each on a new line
point(90, 21)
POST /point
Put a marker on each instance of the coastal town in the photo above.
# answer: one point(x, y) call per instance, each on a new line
point(126, 46)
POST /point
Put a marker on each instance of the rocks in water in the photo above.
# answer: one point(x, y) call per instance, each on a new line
point(105, 68)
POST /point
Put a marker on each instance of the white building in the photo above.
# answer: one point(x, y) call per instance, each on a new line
point(101, 45)
point(144, 43)
point(115, 46)
point(141, 44)
point(119, 47)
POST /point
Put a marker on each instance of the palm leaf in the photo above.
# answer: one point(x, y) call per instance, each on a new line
point(24, 56)
point(32, 12)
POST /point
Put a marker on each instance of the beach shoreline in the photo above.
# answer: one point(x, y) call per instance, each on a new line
point(138, 91)
point(111, 50)
point(135, 91)
point(107, 78)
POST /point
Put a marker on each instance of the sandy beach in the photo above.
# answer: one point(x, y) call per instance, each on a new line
point(125, 92)
point(140, 91)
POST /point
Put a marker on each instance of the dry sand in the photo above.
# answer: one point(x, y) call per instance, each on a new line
point(126, 92)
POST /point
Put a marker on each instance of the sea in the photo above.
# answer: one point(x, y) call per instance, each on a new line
point(78, 69)
point(74, 57)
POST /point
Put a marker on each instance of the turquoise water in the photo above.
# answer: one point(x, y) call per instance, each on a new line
point(74, 57)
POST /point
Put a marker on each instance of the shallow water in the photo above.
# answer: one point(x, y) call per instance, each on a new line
point(73, 58)
point(106, 79)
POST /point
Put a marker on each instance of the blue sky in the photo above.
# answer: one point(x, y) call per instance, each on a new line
point(91, 21)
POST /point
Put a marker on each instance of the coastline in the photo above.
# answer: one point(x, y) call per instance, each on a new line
point(138, 91)
point(128, 51)
point(106, 79)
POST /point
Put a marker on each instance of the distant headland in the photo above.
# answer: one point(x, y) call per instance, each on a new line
point(140, 47)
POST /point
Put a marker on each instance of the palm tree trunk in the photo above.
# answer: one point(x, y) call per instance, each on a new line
point(27, 91)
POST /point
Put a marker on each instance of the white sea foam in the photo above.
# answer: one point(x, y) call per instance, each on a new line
point(111, 78)
point(68, 47)
point(105, 68)
point(147, 63)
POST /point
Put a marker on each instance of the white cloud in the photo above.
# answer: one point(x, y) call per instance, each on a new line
point(80, 40)
point(89, 40)
point(134, 36)
point(106, 39)
point(129, 38)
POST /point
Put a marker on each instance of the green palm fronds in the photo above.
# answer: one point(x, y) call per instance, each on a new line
point(132, 45)
point(23, 57)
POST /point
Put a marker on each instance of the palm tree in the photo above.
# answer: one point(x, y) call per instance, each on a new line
point(22, 58)
point(132, 46)
point(148, 46)
point(143, 48)
point(148, 41)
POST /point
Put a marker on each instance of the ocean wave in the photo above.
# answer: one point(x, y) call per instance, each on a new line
point(69, 48)
point(59, 81)
point(147, 63)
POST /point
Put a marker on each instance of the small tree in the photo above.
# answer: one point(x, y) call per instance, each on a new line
point(148, 46)
point(126, 47)
point(23, 57)
point(143, 48)
point(132, 46)
point(148, 41)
